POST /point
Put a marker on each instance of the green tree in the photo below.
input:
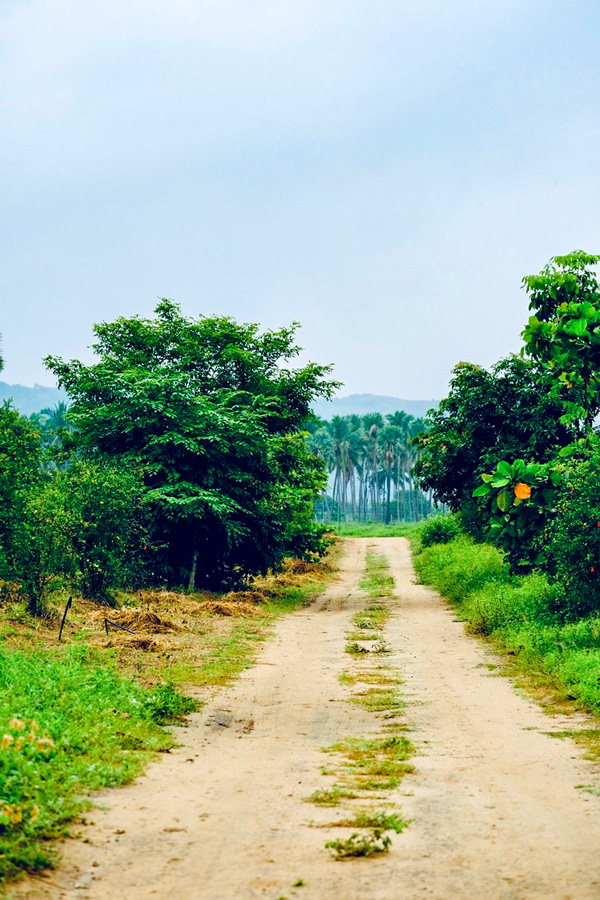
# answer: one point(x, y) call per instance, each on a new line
point(41, 550)
point(19, 471)
point(203, 407)
point(571, 538)
point(563, 335)
point(504, 414)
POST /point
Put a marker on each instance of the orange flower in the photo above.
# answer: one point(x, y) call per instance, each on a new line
point(522, 491)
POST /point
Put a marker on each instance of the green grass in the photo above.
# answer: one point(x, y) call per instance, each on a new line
point(375, 529)
point(373, 764)
point(380, 700)
point(68, 725)
point(332, 796)
point(516, 613)
point(377, 581)
point(74, 718)
point(362, 766)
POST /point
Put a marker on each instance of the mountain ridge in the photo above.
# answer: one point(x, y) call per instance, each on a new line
point(362, 404)
point(30, 400)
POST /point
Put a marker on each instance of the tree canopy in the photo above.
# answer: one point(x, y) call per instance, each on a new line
point(563, 335)
point(207, 410)
point(488, 416)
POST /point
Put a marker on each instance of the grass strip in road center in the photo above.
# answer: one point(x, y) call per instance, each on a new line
point(368, 767)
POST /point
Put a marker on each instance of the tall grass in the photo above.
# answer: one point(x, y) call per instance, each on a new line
point(517, 613)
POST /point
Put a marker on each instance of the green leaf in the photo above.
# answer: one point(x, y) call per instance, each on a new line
point(503, 468)
point(504, 501)
point(500, 482)
point(482, 491)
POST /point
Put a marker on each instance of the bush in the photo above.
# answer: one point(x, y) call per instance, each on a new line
point(573, 539)
point(439, 530)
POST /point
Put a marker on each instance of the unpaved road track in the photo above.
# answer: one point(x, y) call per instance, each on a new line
point(495, 808)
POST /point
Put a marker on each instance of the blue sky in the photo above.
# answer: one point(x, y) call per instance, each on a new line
point(383, 172)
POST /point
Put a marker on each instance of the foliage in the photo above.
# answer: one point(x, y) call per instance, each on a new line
point(41, 550)
point(520, 498)
point(108, 526)
point(208, 412)
point(572, 538)
point(85, 525)
point(439, 530)
point(564, 333)
point(461, 567)
point(69, 725)
point(505, 413)
point(19, 470)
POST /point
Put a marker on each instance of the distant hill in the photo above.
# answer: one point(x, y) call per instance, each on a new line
point(31, 399)
point(360, 404)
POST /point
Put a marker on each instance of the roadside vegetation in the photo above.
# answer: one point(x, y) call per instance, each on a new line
point(91, 711)
point(519, 612)
point(515, 454)
point(150, 532)
point(181, 461)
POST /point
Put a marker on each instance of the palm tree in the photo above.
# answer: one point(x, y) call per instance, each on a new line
point(402, 422)
point(373, 424)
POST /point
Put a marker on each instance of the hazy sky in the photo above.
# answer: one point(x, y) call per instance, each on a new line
point(382, 171)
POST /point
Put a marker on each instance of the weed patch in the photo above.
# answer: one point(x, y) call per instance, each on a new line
point(360, 844)
point(380, 700)
point(330, 796)
point(69, 725)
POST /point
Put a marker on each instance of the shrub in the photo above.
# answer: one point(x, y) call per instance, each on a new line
point(573, 539)
point(439, 530)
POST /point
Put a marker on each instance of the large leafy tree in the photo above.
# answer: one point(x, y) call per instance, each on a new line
point(488, 416)
point(563, 334)
point(208, 410)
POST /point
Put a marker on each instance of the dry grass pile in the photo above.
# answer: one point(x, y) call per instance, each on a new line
point(138, 620)
point(305, 567)
point(237, 608)
point(160, 598)
point(245, 597)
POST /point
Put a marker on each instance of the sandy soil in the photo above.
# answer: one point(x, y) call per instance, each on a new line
point(495, 805)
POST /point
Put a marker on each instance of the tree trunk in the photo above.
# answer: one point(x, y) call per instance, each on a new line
point(192, 579)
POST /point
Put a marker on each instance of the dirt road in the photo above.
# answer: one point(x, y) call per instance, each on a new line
point(495, 806)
